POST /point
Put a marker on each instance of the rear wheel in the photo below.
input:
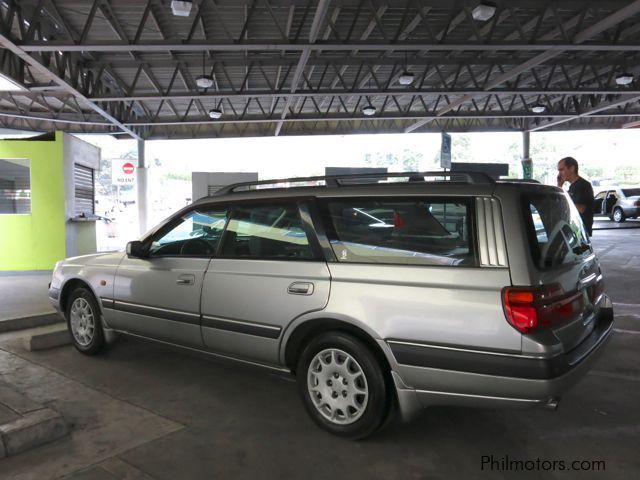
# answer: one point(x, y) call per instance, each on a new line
point(618, 215)
point(343, 386)
point(83, 322)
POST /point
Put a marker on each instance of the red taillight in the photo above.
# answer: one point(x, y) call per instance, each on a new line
point(529, 309)
point(519, 305)
point(637, 203)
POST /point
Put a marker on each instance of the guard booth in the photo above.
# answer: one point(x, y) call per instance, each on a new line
point(47, 191)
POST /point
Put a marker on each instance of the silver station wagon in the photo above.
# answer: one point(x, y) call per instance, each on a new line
point(379, 293)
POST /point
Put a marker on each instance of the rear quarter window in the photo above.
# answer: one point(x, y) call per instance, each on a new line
point(556, 233)
point(415, 231)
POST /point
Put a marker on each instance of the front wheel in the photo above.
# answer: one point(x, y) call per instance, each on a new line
point(343, 386)
point(618, 215)
point(83, 322)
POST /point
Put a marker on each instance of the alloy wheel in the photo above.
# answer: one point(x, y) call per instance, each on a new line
point(82, 321)
point(337, 386)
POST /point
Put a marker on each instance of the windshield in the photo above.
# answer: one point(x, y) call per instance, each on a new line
point(557, 234)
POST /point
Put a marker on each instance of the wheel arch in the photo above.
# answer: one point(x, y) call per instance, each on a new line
point(304, 332)
point(69, 286)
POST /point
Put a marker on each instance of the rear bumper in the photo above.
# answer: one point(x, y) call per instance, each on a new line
point(429, 375)
point(631, 211)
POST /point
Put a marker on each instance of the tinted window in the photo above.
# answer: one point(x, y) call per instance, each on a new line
point(556, 230)
point(266, 232)
point(631, 192)
point(197, 234)
point(402, 231)
point(15, 186)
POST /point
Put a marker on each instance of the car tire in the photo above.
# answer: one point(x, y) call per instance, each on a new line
point(618, 215)
point(84, 322)
point(343, 385)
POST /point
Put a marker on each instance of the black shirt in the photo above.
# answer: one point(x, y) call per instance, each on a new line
point(581, 192)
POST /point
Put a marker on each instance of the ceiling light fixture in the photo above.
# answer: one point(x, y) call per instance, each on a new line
point(215, 113)
point(181, 8)
point(484, 11)
point(204, 81)
point(407, 77)
point(624, 79)
point(538, 108)
point(369, 110)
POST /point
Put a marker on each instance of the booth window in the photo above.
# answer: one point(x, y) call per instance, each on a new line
point(15, 186)
point(84, 190)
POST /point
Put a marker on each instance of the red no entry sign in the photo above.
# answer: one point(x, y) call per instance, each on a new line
point(128, 168)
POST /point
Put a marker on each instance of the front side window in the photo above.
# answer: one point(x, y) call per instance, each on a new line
point(402, 231)
point(197, 234)
point(557, 232)
point(266, 232)
point(15, 186)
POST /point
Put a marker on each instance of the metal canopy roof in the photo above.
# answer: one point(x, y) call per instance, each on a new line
point(298, 67)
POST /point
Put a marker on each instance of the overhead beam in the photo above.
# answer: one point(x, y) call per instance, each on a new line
point(48, 74)
point(119, 47)
point(348, 117)
point(588, 113)
point(589, 32)
point(316, 25)
point(268, 94)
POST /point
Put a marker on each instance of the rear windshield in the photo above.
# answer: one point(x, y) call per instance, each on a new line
point(556, 232)
point(631, 192)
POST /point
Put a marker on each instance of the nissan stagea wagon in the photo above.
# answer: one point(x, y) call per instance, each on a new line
point(378, 293)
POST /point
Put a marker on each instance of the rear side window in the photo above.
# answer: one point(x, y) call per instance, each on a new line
point(266, 232)
point(556, 232)
point(400, 231)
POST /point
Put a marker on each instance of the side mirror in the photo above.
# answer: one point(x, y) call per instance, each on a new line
point(136, 249)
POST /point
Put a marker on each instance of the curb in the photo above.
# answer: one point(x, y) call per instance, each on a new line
point(31, 321)
point(32, 430)
point(36, 426)
point(56, 336)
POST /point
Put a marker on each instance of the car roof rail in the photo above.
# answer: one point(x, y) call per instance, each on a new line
point(355, 179)
point(519, 180)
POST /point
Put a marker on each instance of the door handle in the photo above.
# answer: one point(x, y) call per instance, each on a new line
point(300, 288)
point(186, 279)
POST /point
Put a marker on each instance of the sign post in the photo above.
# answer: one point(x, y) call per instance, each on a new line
point(445, 151)
point(527, 168)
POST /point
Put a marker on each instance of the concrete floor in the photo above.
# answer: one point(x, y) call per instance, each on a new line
point(24, 294)
point(144, 412)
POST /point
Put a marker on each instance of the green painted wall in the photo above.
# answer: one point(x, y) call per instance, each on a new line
point(36, 241)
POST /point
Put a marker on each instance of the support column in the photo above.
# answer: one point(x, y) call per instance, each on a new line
point(526, 144)
point(141, 179)
point(527, 163)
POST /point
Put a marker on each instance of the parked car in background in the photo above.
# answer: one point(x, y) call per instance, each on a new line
point(461, 290)
point(618, 203)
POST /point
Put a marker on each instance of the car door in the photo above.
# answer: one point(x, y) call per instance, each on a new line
point(598, 203)
point(266, 274)
point(159, 296)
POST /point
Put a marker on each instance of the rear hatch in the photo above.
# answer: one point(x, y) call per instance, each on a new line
point(567, 278)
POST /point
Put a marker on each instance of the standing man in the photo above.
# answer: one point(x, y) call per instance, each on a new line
point(580, 191)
